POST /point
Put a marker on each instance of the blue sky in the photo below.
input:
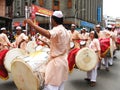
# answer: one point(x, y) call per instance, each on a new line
point(111, 8)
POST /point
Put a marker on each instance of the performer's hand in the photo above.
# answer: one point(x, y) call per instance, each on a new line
point(29, 21)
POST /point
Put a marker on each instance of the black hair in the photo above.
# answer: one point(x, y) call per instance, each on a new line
point(57, 20)
point(95, 34)
point(109, 29)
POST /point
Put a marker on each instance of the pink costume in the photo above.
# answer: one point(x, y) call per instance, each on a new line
point(57, 68)
point(5, 39)
point(85, 36)
point(74, 37)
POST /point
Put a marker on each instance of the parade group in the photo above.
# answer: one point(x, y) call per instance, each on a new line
point(62, 43)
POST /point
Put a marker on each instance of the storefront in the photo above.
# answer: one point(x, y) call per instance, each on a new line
point(87, 25)
point(6, 22)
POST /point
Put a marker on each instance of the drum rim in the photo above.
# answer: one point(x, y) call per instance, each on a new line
point(81, 51)
point(28, 67)
point(14, 49)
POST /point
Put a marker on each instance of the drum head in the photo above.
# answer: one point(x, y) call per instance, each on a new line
point(23, 76)
point(86, 59)
point(11, 55)
point(31, 46)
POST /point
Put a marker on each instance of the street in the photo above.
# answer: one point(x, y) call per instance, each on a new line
point(105, 81)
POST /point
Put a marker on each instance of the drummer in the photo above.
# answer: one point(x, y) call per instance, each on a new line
point(109, 59)
point(84, 34)
point(75, 36)
point(57, 68)
point(21, 39)
point(5, 39)
point(95, 45)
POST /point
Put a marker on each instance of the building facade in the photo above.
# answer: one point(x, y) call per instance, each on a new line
point(6, 13)
point(84, 13)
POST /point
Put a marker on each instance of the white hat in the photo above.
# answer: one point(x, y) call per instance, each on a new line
point(73, 25)
point(98, 25)
point(82, 42)
point(18, 27)
point(84, 29)
point(58, 14)
point(3, 28)
point(109, 26)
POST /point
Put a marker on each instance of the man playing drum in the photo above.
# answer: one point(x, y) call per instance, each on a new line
point(95, 45)
point(84, 35)
point(20, 39)
point(74, 36)
point(56, 71)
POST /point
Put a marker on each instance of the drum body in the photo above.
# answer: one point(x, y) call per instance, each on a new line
point(107, 47)
point(11, 55)
point(86, 59)
point(28, 72)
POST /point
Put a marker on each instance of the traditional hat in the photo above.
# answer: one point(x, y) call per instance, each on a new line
point(3, 28)
point(73, 25)
point(84, 29)
point(18, 27)
point(98, 26)
point(58, 14)
point(109, 26)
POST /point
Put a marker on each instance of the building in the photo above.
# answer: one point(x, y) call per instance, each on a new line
point(6, 13)
point(110, 21)
point(84, 13)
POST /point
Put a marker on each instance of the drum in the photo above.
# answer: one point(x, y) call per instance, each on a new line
point(31, 46)
point(106, 46)
point(118, 43)
point(86, 59)
point(11, 55)
point(28, 72)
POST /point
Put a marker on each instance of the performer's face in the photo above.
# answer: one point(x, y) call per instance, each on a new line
point(97, 29)
point(72, 28)
point(91, 35)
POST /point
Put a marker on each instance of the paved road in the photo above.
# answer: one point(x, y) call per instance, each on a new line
point(105, 81)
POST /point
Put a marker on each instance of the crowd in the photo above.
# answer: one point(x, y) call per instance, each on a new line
point(61, 41)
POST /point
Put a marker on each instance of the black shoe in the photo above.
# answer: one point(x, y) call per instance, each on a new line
point(98, 68)
point(92, 84)
point(107, 69)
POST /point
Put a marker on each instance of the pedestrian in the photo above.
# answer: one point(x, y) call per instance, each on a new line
point(56, 72)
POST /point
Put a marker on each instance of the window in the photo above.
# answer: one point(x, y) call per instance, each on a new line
point(69, 3)
point(41, 2)
point(56, 2)
point(56, 5)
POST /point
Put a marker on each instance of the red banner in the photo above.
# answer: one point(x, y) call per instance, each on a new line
point(41, 11)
